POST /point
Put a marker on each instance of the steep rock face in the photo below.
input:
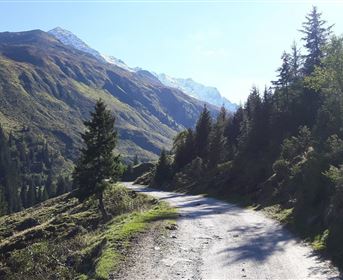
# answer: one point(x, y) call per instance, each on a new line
point(50, 88)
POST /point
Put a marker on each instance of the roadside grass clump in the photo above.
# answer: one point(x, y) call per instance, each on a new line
point(64, 239)
point(319, 242)
point(276, 212)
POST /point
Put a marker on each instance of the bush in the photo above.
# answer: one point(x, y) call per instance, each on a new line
point(280, 167)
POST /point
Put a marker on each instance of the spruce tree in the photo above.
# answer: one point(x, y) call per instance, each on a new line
point(97, 165)
point(49, 185)
point(60, 188)
point(284, 72)
point(31, 195)
point(184, 149)
point(44, 194)
point(316, 34)
point(163, 169)
point(202, 134)
point(216, 150)
point(295, 63)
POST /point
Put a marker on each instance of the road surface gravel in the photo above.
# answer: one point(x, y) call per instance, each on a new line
point(218, 240)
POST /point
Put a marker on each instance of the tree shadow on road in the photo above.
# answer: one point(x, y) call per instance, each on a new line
point(256, 243)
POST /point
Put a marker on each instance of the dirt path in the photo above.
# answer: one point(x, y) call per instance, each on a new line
point(217, 240)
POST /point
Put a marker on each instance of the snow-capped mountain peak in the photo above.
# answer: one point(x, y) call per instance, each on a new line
point(70, 39)
point(199, 91)
point(118, 62)
point(189, 86)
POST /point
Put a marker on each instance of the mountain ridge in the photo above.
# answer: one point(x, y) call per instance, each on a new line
point(194, 89)
point(197, 90)
point(51, 88)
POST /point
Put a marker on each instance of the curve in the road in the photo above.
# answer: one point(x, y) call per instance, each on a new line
point(218, 240)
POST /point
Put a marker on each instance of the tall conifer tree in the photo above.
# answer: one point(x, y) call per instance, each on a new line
point(97, 165)
point(316, 34)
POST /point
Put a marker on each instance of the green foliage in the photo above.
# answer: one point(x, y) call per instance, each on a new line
point(184, 149)
point(296, 146)
point(280, 167)
point(202, 134)
point(28, 170)
point(163, 171)
point(64, 239)
point(285, 148)
point(315, 36)
point(97, 165)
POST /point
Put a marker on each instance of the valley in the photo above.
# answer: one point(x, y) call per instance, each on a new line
point(109, 171)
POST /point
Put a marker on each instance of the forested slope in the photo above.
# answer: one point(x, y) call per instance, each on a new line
point(282, 150)
point(47, 90)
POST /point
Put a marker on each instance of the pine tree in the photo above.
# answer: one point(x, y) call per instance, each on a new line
point(233, 128)
point(3, 203)
point(135, 160)
point(216, 150)
point(184, 149)
point(163, 169)
point(9, 176)
point(222, 116)
point(316, 34)
point(202, 134)
point(44, 194)
point(49, 185)
point(97, 165)
point(295, 63)
point(31, 195)
point(39, 194)
point(284, 72)
point(61, 186)
point(23, 196)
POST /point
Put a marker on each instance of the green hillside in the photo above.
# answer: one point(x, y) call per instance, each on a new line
point(64, 239)
point(50, 88)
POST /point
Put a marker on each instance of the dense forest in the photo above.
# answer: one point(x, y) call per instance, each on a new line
point(284, 146)
point(30, 172)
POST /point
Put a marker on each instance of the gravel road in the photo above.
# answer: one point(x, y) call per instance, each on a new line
point(217, 240)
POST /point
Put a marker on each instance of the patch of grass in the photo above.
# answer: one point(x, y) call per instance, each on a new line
point(276, 212)
point(319, 242)
point(122, 229)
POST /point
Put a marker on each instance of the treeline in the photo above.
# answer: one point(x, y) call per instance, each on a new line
point(29, 171)
point(284, 146)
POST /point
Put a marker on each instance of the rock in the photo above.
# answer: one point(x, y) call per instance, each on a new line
point(171, 226)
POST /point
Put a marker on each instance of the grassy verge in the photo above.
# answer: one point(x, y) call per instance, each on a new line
point(64, 239)
point(120, 231)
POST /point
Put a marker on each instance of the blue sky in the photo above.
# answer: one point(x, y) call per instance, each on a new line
point(230, 45)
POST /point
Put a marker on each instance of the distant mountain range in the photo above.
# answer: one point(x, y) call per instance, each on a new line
point(192, 88)
point(198, 91)
point(49, 87)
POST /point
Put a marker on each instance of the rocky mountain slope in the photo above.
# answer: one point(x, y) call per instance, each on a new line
point(194, 89)
point(50, 88)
